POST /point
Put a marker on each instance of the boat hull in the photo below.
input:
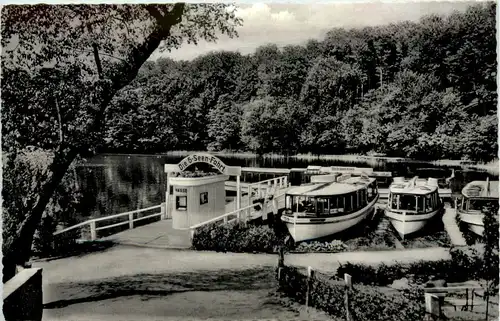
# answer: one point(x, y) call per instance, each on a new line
point(474, 222)
point(305, 229)
point(409, 224)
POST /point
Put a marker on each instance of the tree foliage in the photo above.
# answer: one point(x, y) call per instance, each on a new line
point(422, 90)
point(62, 65)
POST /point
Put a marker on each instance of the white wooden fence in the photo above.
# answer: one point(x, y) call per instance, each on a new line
point(130, 221)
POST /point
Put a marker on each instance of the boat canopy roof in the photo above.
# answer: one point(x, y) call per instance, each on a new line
point(481, 190)
point(414, 186)
point(345, 186)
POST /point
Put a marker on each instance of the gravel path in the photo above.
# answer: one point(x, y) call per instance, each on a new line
point(123, 260)
point(135, 283)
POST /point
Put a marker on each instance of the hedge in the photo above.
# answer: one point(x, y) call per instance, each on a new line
point(236, 237)
point(465, 264)
point(366, 302)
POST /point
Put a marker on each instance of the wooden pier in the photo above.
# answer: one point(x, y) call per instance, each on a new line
point(261, 199)
point(451, 227)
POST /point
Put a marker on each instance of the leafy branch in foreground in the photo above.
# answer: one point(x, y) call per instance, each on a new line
point(61, 67)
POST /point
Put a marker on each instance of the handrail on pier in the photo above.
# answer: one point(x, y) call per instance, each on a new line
point(130, 221)
point(225, 217)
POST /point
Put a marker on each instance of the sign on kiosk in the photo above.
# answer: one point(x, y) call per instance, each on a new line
point(204, 158)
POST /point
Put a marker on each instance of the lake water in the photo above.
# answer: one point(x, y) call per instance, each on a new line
point(119, 183)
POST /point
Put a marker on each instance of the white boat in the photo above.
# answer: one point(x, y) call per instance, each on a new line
point(475, 195)
point(330, 204)
point(412, 203)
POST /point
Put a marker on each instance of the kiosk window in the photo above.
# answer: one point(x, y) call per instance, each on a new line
point(203, 198)
point(181, 203)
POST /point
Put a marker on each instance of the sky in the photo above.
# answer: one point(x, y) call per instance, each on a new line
point(285, 24)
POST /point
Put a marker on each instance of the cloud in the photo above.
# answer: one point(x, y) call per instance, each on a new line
point(296, 23)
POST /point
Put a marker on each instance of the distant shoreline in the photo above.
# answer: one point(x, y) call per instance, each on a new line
point(491, 166)
point(346, 157)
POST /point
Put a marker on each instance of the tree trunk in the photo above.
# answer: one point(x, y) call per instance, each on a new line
point(19, 252)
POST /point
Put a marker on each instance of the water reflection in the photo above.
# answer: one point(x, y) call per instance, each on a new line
point(119, 183)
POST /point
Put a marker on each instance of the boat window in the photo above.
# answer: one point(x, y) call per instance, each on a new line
point(336, 205)
point(355, 200)
point(421, 204)
point(394, 203)
point(322, 206)
point(477, 205)
point(348, 202)
point(404, 202)
point(428, 205)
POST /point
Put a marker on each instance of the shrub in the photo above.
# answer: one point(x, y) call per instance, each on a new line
point(330, 247)
point(366, 302)
point(465, 264)
point(235, 237)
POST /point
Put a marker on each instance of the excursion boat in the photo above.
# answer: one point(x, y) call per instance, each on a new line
point(475, 195)
point(412, 203)
point(328, 205)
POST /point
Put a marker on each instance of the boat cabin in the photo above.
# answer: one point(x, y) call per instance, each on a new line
point(341, 196)
point(417, 196)
point(478, 194)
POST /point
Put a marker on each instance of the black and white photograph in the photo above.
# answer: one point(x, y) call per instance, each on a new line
point(326, 161)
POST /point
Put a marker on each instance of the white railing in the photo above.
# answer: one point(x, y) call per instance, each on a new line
point(130, 221)
point(241, 215)
point(265, 188)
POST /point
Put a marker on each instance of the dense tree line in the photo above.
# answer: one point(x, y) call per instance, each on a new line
point(421, 90)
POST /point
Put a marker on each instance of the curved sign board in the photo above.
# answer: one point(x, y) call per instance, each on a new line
point(203, 158)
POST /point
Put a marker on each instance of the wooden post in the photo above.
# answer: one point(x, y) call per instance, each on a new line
point(466, 299)
point(487, 296)
point(238, 192)
point(310, 275)
point(348, 287)
point(192, 234)
point(249, 195)
point(163, 210)
point(472, 300)
point(432, 306)
point(93, 232)
point(225, 219)
point(281, 259)
point(167, 195)
point(131, 221)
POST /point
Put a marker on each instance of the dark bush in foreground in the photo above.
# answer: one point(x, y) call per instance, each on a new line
point(235, 237)
point(366, 302)
point(465, 264)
